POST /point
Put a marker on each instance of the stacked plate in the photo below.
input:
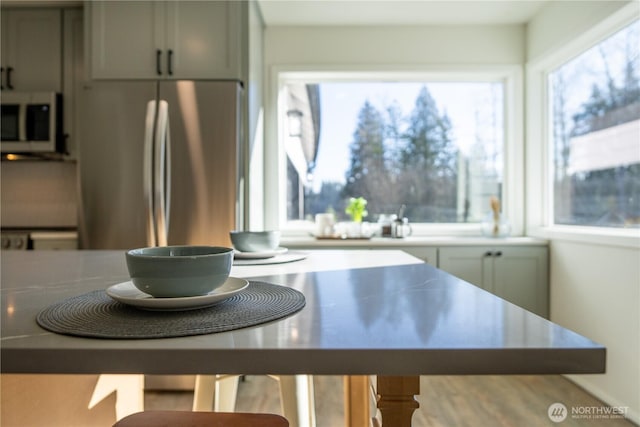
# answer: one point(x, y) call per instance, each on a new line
point(127, 293)
point(261, 248)
point(259, 254)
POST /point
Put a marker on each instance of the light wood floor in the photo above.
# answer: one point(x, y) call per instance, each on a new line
point(445, 401)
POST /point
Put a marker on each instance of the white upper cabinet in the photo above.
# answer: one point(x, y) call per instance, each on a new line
point(32, 50)
point(166, 40)
point(204, 38)
point(124, 38)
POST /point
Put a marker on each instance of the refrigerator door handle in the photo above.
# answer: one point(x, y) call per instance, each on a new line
point(147, 179)
point(167, 179)
point(162, 174)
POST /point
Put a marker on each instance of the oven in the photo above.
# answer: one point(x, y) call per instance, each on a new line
point(38, 239)
point(15, 240)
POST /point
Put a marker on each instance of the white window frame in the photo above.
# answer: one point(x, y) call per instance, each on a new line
point(539, 199)
point(511, 75)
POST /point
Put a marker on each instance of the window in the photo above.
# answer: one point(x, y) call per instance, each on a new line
point(595, 121)
point(436, 147)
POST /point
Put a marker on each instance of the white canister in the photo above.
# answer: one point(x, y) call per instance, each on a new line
point(325, 223)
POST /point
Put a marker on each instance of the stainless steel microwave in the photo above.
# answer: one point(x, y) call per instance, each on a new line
point(31, 122)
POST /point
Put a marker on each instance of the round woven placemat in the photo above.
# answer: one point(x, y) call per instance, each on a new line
point(96, 315)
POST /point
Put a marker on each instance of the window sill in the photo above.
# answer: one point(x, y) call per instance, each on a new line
point(301, 229)
point(624, 238)
point(414, 241)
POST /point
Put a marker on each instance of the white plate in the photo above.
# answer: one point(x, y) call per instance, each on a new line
point(128, 294)
point(259, 255)
point(278, 259)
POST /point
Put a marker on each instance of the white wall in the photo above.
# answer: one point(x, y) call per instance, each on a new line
point(594, 280)
point(595, 291)
point(558, 23)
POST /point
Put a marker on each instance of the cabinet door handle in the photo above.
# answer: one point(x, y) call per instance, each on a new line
point(1, 78)
point(158, 62)
point(9, 70)
point(499, 253)
point(170, 62)
point(488, 254)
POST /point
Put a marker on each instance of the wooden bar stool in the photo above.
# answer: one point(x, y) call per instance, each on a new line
point(201, 419)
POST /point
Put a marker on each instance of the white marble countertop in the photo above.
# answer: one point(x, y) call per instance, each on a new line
point(367, 312)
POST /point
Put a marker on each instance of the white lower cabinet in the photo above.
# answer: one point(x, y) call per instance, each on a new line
point(516, 273)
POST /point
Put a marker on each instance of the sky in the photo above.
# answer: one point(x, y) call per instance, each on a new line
point(340, 104)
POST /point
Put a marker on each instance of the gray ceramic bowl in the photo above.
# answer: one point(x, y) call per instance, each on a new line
point(179, 271)
point(255, 241)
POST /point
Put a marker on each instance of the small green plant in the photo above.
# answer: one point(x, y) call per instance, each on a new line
point(357, 208)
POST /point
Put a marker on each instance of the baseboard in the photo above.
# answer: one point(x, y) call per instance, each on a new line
point(632, 414)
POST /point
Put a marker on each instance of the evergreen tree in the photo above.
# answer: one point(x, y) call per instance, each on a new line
point(395, 141)
point(428, 178)
point(367, 175)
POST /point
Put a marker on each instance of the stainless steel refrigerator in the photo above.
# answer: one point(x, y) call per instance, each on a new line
point(159, 163)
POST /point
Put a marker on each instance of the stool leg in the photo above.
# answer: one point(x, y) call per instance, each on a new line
point(204, 392)
point(215, 393)
point(129, 393)
point(298, 400)
point(226, 393)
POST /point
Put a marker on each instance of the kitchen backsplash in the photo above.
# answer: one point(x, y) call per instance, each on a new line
point(38, 194)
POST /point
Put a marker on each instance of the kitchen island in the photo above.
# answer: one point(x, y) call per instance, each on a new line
point(382, 313)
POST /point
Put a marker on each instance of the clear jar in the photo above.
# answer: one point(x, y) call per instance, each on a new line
point(493, 226)
point(385, 223)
